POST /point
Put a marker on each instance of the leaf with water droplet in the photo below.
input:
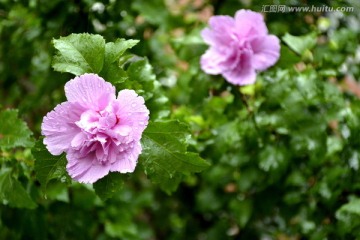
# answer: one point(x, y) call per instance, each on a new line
point(109, 185)
point(48, 166)
point(165, 157)
point(79, 53)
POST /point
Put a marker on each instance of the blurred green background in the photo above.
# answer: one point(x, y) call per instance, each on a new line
point(284, 152)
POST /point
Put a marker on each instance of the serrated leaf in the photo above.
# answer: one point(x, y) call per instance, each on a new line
point(300, 44)
point(164, 154)
point(79, 53)
point(48, 166)
point(271, 158)
point(112, 71)
point(13, 192)
point(142, 77)
point(13, 131)
point(109, 185)
point(114, 74)
point(114, 50)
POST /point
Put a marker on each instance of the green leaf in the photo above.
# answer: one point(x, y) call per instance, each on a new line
point(13, 131)
point(112, 70)
point(352, 207)
point(242, 211)
point(141, 72)
point(300, 44)
point(114, 50)
point(164, 154)
point(13, 192)
point(109, 185)
point(154, 12)
point(114, 74)
point(79, 53)
point(48, 166)
point(272, 158)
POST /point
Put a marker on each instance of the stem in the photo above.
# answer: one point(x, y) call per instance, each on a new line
point(251, 113)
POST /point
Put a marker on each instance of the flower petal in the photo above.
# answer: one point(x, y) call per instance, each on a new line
point(249, 23)
point(266, 51)
point(90, 91)
point(85, 169)
point(132, 112)
point(210, 62)
point(59, 127)
point(220, 31)
point(240, 77)
point(127, 161)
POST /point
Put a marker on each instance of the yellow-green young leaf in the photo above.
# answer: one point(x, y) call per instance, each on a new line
point(79, 53)
point(109, 185)
point(48, 166)
point(13, 131)
point(164, 157)
point(300, 44)
point(13, 193)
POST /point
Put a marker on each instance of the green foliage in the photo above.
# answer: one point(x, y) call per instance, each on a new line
point(300, 44)
point(79, 54)
point(12, 192)
point(48, 166)
point(284, 152)
point(109, 185)
point(13, 131)
point(165, 158)
point(88, 53)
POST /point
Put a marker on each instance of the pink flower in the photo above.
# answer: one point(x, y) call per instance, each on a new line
point(239, 47)
point(98, 132)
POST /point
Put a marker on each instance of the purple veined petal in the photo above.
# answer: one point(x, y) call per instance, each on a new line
point(131, 111)
point(242, 77)
point(85, 169)
point(59, 127)
point(244, 73)
point(78, 140)
point(90, 91)
point(220, 58)
point(222, 28)
point(127, 161)
point(266, 51)
point(220, 31)
point(249, 23)
point(210, 62)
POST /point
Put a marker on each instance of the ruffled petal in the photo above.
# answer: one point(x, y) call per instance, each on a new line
point(266, 51)
point(249, 23)
point(210, 62)
point(126, 162)
point(241, 77)
point(220, 31)
point(85, 169)
point(132, 112)
point(59, 127)
point(90, 91)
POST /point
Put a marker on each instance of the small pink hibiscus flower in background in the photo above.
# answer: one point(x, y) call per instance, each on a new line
point(239, 47)
point(98, 132)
